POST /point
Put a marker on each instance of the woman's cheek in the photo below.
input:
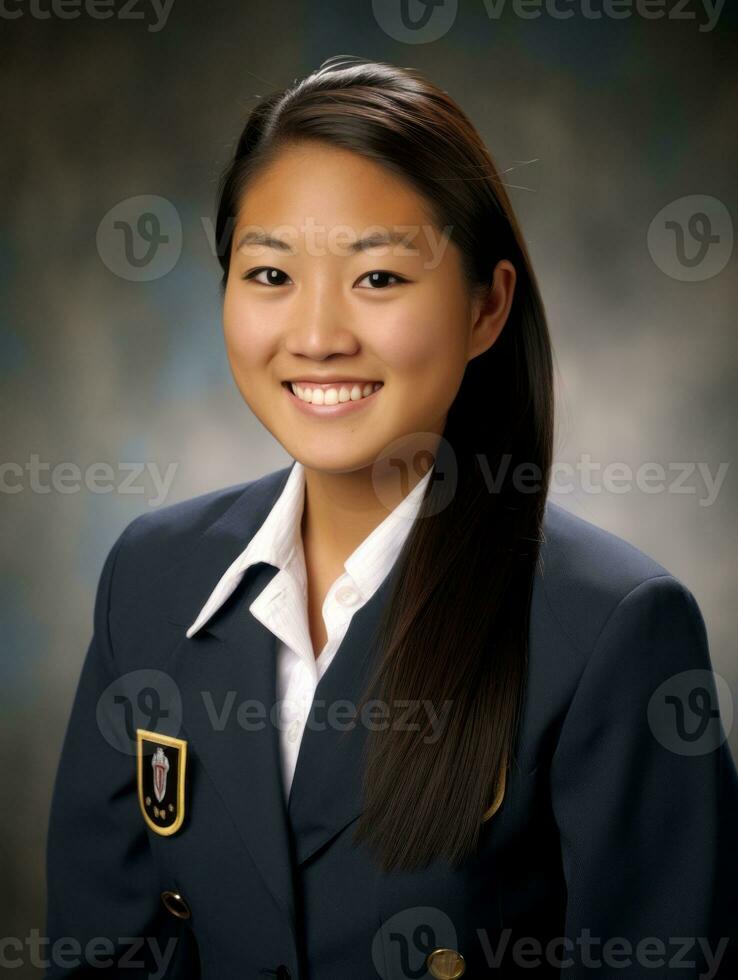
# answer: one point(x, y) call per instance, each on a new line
point(404, 339)
point(246, 337)
point(409, 345)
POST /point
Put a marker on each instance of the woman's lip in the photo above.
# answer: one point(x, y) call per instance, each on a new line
point(332, 411)
point(342, 382)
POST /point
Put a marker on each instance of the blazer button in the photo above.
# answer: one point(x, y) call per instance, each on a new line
point(174, 903)
point(445, 964)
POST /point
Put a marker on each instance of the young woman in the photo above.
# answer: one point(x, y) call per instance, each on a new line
point(388, 712)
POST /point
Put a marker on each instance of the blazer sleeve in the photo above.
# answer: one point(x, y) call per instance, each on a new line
point(104, 912)
point(645, 796)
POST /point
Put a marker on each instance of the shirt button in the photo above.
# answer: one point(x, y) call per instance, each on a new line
point(292, 731)
point(347, 596)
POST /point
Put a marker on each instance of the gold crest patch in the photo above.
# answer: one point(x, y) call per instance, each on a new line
point(162, 764)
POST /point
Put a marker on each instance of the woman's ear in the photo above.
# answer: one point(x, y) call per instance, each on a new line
point(491, 309)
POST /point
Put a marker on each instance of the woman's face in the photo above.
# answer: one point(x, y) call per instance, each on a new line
point(322, 307)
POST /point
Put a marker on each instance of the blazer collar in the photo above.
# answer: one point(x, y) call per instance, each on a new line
point(274, 543)
point(194, 577)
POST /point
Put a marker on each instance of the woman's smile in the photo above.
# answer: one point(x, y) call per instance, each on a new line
point(332, 399)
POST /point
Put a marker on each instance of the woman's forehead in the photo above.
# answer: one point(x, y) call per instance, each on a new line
point(333, 185)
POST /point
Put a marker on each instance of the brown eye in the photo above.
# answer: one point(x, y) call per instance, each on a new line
point(272, 276)
point(378, 279)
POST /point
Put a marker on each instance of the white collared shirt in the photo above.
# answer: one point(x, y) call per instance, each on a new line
point(282, 605)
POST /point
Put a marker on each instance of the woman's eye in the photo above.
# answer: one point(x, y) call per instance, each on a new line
point(379, 278)
point(272, 276)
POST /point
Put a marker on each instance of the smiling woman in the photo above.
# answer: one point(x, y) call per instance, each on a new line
point(473, 732)
point(330, 285)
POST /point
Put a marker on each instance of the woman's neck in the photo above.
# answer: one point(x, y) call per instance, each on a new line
point(342, 509)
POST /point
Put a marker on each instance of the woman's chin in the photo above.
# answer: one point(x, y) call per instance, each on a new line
point(332, 459)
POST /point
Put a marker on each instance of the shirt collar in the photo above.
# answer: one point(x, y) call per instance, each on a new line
point(369, 564)
point(278, 542)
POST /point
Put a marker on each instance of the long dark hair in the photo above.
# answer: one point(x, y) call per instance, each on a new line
point(455, 631)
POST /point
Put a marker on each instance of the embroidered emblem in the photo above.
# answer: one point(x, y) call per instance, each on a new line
point(162, 764)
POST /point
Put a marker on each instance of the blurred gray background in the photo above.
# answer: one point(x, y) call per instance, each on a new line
point(599, 122)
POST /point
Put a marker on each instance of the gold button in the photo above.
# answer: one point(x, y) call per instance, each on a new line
point(174, 903)
point(446, 964)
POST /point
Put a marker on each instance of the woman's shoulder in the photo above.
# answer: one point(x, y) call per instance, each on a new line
point(193, 515)
point(587, 573)
point(609, 625)
point(586, 552)
point(158, 540)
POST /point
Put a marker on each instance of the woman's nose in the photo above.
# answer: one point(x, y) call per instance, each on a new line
point(320, 326)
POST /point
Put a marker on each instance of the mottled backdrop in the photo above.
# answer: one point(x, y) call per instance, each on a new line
point(602, 113)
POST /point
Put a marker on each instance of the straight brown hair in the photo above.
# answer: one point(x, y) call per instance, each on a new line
point(455, 631)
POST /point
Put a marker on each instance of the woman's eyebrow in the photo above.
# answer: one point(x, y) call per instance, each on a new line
point(255, 237)
point(262, 238)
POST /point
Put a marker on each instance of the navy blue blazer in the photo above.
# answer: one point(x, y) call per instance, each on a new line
point(614, 842)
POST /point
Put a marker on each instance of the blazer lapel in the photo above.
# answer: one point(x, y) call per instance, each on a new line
point(227, 679)
point(226, 675)
point(326, 789)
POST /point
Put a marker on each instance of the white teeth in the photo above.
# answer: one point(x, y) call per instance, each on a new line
point(332, 396)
